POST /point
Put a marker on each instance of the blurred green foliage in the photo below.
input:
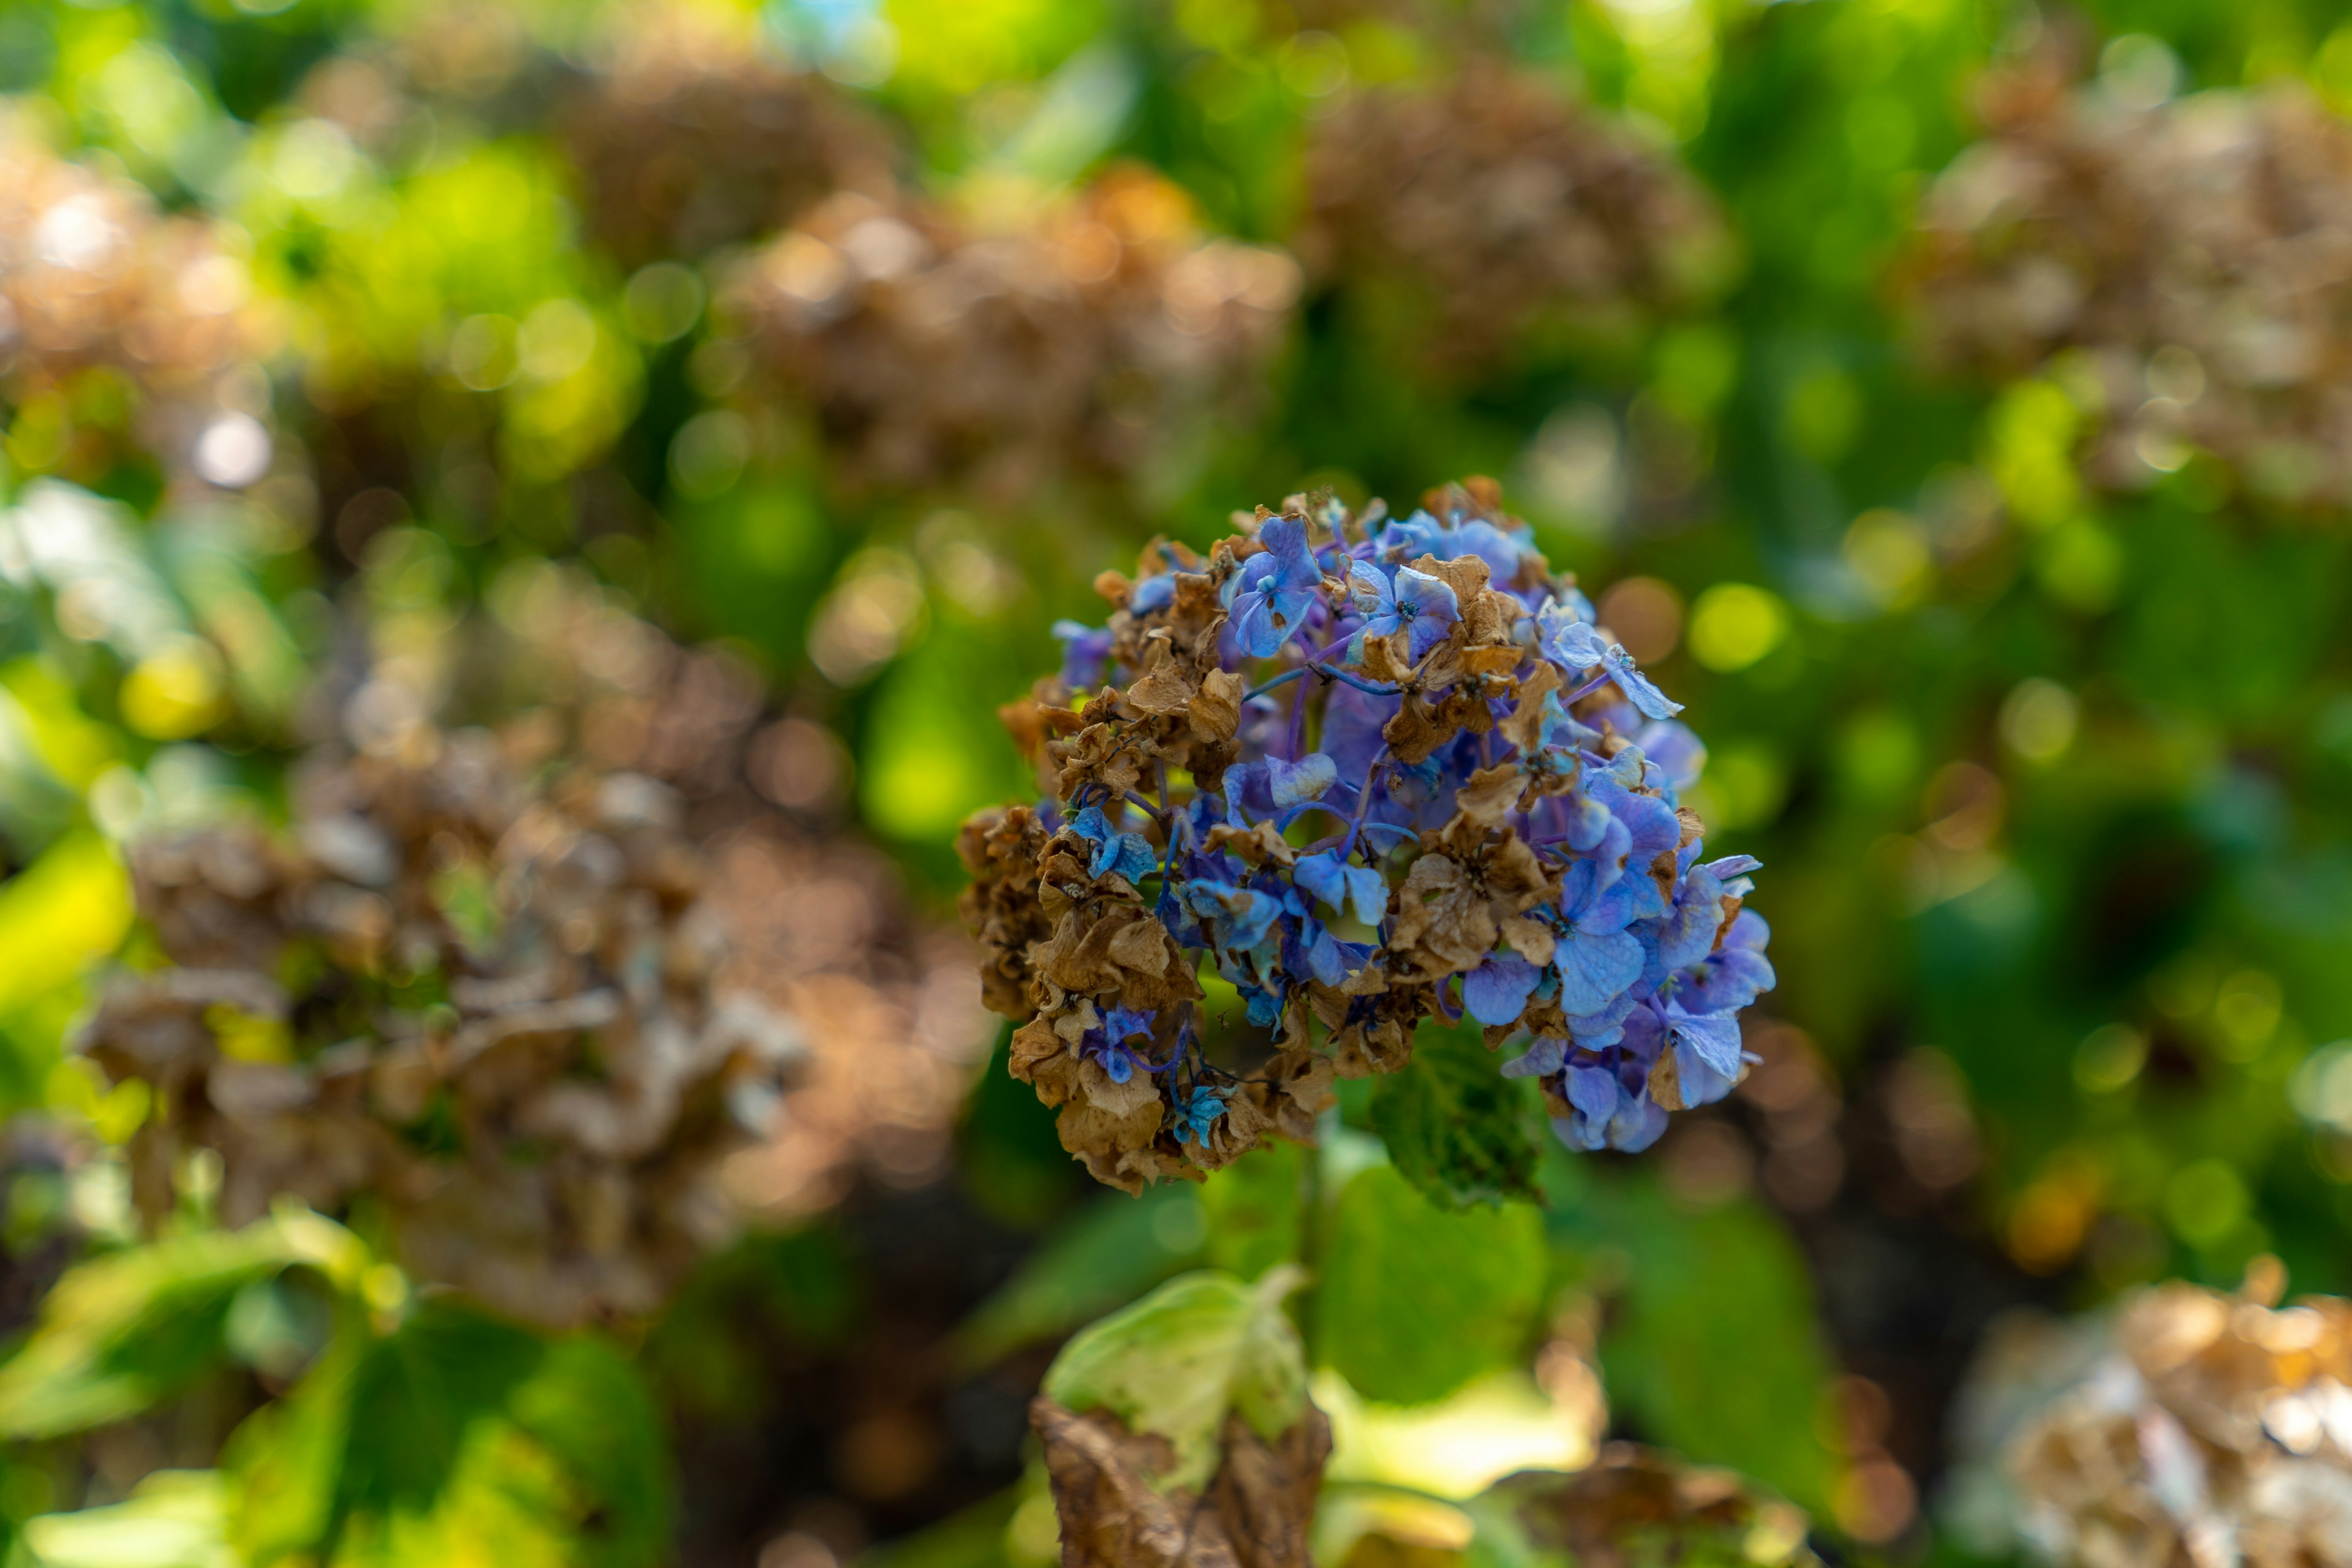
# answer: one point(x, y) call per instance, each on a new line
point(2054, 784)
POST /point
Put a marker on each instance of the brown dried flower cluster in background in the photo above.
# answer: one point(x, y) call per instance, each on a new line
point(1636, 1505)
point(96, 283)
point(2201, 1428)
point(820, 927)
point(1083, 339)
point(690, 136)
point(2197, 254)
point(1500, 206)
point(494, 1010)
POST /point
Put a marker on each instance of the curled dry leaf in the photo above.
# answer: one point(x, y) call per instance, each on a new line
point(1256, 1514)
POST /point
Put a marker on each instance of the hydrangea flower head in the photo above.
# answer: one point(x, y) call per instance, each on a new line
point(1362, 772)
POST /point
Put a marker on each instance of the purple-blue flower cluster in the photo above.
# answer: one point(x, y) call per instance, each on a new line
point(1365, 770)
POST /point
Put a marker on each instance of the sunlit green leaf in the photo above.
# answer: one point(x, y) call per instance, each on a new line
point(1456, 1128)
point(1177, 1361)
point(120, 1333)
point(456, 1439)
point(1413, 1301)
point(174, 1520)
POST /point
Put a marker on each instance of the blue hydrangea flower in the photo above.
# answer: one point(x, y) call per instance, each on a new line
point(1085, 654)
point(1339, 884)
point(1530, 870)
point(1409, 598)
point(1196, 1115)
point(1269, 596)
point(1109, 1044)
point(1410, 538)
point(1153, 592)
point(1571, 642)
point(1127, 854)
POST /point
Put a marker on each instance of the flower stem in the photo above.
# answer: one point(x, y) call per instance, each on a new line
point(1333, 672)
point(1285, 679)
point(1363, 802)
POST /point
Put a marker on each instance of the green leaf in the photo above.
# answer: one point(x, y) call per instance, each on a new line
point(173, 1520)
point(122, 1333)
point(456, 1438)
point(1177, 1361)
point(1116, 1248)
point(1456, 1127)
point(1415, 1302)
point(1713, 1347)
point(1253, 1208)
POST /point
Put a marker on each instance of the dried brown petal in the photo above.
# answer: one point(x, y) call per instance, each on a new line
point(1254, 1514)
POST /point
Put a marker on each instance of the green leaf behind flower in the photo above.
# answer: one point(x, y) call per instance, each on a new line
point(1415, 1301)
point(1456, 1127)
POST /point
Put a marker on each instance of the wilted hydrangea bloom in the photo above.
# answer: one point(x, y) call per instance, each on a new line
point(819, 925)
point(2196, 254)
point(2186, 1427)
point(122, 331)
point(1077, 339)
point(1499, 206)
point(490, 1009)
point(692, 134)
point(1366, 771)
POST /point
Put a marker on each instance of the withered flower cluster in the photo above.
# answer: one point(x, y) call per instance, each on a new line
point(818, 923)
point(1086, 337)
point(690, 135)
point(2197, 254)
point(1371, 771)
point(488, 1007)
point(2212, 1428)
point(100, 293)
point(1500, 208)
point(1634, 1505)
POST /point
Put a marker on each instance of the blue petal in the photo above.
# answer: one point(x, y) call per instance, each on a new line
point(1712, 1038)
point(1727, 980)
point(1639, 690)
point(1338, 884)
point(1431, 596)
point(1544, 1056)
point(1372, 593)
point(1670, 744)
point(1638, 1123)
point(1687, 934)
point(1594, 971)
point(1496, 991)
point(1593, 1091)
point(1575, 645)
